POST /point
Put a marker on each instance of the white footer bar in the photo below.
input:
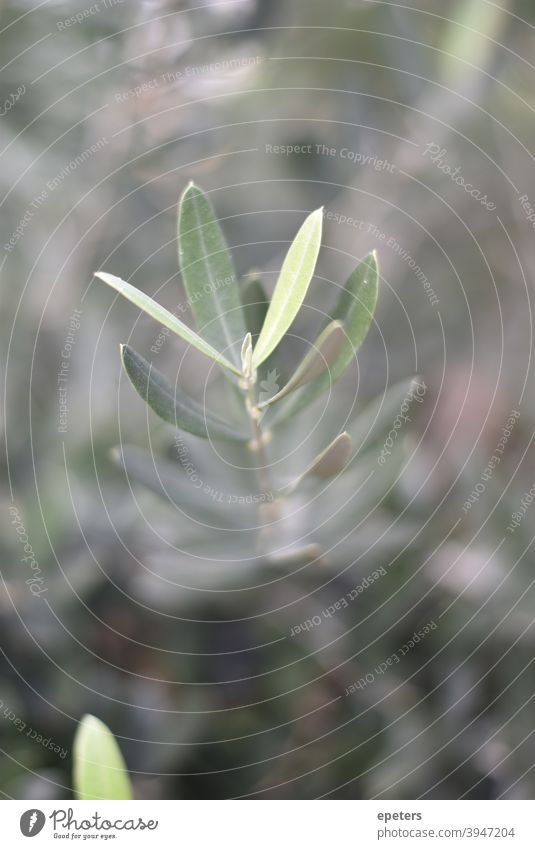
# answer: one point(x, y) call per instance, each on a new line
point(265, 824)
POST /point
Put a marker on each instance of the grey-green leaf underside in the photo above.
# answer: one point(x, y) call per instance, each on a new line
point(355, 309)
point(163, 316)
point(208, 274)
point(322, 354)
point(172, 404)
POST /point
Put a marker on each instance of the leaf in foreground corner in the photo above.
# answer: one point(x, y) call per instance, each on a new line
point(99, 768)
point(154, 309)
point(291, 288)
point(208, 274)
point(172, 404)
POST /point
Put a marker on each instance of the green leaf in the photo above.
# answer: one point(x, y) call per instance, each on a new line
point(357, 302)
point(99, 767)
point(208, 274)
point(172, 404)
point(355, 308)
point(163, 316)
point(255, 304)
point(170, 482)
point(294, 279)
point(330, 462)
point(164, 479)
point(332, 459)
point(319, 358)
point(373, 423)
point(188, 488)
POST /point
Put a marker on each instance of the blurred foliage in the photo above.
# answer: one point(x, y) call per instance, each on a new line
point(180, 642)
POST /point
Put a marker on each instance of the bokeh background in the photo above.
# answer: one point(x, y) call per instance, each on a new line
point(152, 609)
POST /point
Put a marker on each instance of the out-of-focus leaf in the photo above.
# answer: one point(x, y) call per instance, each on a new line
point(163, 316)
point(172, 484)
point(208, 274)
point(255, 304)
point(172, 404)
point(330, 462)
point(322, 355)
point(294, 279)
point(376, 419)
point(99, 768)
point(332, 459)
point(355, 308)
point(363, 488)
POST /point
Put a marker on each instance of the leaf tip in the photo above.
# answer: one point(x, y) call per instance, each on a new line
point(191, 187)
point(88, 720)
point(87, 724)
point(99, 767)
point(124, 350)
point(110, 280)
point(115, 456)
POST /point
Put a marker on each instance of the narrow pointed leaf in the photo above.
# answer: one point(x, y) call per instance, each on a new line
point(320, 358)
point(162, 478)
point(170, 482)
point(99, 768)
point(373, 423)
point(357, 301)
point(208, 274)
point(332, 459)
point(172, 404)
point(185, 485)
point(255, 304)
point(355, 308)
point(329, 463)
point(163, 316)
point(291, 288)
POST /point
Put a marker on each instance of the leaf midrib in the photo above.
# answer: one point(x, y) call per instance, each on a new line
point(288, 294)
point(215, 293)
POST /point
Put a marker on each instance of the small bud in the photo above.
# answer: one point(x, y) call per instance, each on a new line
point(247, 356)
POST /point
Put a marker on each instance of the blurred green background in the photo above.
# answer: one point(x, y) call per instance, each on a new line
point(152, 610)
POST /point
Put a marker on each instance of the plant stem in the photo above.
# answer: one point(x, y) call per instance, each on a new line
point(270, 510)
